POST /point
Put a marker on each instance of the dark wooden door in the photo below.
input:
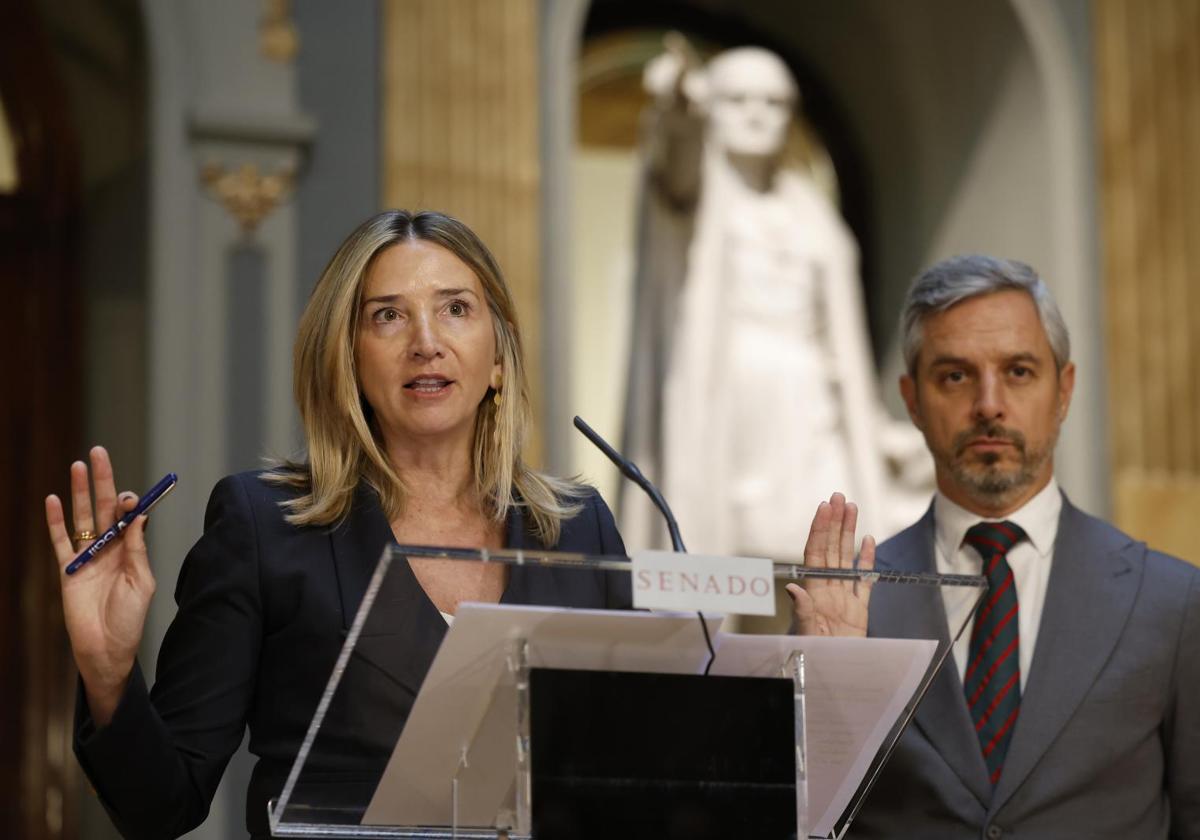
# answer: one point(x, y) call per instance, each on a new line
point(40, 421)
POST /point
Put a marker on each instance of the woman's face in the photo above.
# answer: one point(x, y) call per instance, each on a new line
point(426, 348)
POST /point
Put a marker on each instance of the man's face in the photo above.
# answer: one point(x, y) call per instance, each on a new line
point(989, 400)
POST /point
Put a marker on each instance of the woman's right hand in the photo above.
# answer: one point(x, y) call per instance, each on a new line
point(104, 602)
point(834, 607)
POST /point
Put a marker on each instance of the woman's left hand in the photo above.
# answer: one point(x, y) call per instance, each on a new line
point(833, 607)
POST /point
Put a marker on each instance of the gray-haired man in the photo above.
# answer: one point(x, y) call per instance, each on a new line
point(1073, 710)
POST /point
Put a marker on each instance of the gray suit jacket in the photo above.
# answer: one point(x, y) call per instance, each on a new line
point(1107, 743)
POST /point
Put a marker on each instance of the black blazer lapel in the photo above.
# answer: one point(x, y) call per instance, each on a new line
point(517, 537)
point(531, 584)
point(591, 531)
point(1094, 580)
point(918, 612)
point(357, 542)
point(402, 634)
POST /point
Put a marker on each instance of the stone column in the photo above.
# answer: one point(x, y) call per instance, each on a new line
point(460, 129)
point(1148, 86)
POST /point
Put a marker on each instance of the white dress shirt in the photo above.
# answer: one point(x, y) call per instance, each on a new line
point(1029, 560)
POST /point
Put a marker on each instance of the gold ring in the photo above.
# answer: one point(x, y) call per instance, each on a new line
point(84, 536)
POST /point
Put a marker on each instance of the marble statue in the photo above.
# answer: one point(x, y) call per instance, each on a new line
point(752, 392)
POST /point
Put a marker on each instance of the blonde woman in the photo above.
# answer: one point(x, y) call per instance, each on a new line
point(411, 386)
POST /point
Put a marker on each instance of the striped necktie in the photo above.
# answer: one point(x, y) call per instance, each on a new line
point(992, 681)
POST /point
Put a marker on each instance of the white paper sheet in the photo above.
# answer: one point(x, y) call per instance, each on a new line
point(855, 689)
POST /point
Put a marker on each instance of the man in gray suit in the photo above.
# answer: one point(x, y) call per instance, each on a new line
point(1073, 708)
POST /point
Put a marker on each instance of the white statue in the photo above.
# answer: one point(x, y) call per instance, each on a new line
point(750, 321)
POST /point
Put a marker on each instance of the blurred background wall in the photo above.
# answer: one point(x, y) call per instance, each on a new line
point(174, 175)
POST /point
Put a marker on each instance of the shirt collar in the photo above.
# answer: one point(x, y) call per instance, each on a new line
point(1038, 518)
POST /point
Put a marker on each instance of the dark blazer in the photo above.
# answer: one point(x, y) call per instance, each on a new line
point(1107, 743)
point(263, 611)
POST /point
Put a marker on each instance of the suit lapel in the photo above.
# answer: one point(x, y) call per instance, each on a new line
point(516, 537)
point(401, 609)
point(1093, 583)
point(918, 612)
point(357, 542)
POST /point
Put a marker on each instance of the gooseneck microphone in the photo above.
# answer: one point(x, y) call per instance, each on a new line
point(630, 471)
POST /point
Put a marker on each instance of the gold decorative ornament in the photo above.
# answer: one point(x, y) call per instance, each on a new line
point(496, 442)
point(248, 194)
point(278, 38)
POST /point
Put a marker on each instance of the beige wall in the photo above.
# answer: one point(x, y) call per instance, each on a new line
point(1148, 74)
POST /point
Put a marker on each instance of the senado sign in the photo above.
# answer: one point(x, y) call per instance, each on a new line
point(665, 580)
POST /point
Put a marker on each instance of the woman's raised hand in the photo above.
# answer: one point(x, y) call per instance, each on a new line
point(104, 602)
point(833, 607)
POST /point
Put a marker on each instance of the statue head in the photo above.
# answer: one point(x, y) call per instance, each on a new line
point(752, 96)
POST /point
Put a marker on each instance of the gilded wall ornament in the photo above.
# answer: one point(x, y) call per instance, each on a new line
point(247, 193)
point(278, 38)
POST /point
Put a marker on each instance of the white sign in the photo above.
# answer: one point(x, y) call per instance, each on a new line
point(667, 580)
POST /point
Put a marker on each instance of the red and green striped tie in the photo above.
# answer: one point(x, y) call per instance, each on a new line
point(992, 681)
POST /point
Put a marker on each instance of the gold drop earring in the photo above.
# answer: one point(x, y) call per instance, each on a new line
point(496, 416)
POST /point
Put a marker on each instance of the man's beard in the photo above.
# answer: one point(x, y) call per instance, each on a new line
point(984, 475)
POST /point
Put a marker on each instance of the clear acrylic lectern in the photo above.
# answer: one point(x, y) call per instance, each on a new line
point(546, 722)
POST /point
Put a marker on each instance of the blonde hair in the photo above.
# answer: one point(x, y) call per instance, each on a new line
point(343, 442)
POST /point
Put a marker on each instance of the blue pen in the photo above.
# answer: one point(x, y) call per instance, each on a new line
point(149, 500)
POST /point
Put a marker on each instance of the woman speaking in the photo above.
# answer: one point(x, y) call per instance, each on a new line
point(412, 390)
point(411, 386)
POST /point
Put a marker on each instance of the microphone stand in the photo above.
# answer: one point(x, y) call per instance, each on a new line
point(630, 471)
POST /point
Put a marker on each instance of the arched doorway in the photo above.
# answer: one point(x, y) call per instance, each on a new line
point(969, 126)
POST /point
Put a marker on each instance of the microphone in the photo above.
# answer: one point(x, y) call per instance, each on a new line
point(630, 471)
